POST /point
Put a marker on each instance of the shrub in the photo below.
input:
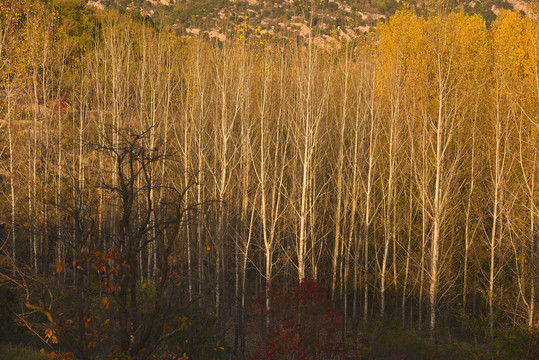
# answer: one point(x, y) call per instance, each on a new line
point(516, 343)
point(304, 324)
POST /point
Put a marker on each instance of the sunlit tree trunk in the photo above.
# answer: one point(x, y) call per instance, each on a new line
point(306, 142)
point(497, 184)
point(352, 237)
point(408, 251)
point(468, 238)
point(390, 186)
point(368, 186)
point(227, 110)
point(437, 210)
point(338, 241)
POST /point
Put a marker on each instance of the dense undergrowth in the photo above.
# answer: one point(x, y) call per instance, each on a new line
point(317, 335)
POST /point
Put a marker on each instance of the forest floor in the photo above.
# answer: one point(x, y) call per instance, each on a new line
point(18, 352)
point(387, 340)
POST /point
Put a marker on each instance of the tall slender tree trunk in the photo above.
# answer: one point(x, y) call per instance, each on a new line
point(340, 183)
point(533, 233)
point(497, 185)
point(199, 170)
point(353, 239)
point(368, 198)
point(467, 238)
point(424, 233)
point(437, 216)
point(408, 249)
point(11, 175)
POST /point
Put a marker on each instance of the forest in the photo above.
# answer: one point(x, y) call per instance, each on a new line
point(170, 197)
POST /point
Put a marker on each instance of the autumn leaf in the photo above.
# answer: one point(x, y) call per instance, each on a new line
point(105, 302)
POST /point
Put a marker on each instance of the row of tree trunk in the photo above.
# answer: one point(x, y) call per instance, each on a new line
point(399, 169)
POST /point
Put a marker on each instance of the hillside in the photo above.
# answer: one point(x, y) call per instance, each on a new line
point(330, 18)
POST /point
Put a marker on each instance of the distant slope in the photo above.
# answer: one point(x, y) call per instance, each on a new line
point(329, 18)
